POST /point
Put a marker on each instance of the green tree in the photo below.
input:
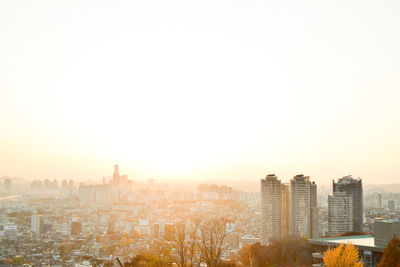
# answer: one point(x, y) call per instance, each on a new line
point(391, 254)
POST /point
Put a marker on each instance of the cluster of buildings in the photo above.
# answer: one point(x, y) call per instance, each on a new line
point(370, 246)
point(119, 189)
point(288, 210)
point(93, 224)
point(105, 193)
point(52, 185)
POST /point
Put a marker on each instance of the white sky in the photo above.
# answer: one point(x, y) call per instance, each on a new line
point(200, 89)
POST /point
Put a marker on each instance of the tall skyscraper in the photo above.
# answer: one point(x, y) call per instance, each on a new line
point(36, 225)
point(116, 176)
point(285, 210)
point(303, 204)
point(314, 210)
point(340, 213)
point(270, 208)
point(353, 188)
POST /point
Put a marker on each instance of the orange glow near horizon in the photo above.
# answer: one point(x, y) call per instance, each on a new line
point(210, 90)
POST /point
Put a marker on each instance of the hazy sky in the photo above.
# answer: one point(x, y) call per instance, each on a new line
point(200, 89)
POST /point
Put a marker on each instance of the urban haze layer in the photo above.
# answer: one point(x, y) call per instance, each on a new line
point(116, 219)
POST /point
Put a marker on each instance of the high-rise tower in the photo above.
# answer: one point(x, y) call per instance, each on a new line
point(303, 207)
point(314, 210)
point(353, 188)
point(285, 210)
point(116, 176)
point(270, 208)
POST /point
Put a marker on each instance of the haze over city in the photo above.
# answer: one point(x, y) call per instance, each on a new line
point(200, 91)
point(208, 133)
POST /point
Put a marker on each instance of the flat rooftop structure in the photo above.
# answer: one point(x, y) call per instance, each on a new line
point(363, 242)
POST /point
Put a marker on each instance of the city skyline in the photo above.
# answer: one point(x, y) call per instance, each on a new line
point(200, 91)
point(199, 133)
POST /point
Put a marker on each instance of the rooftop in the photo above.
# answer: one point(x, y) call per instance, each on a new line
point(387, 220)
point(361, 241)
point(348, 180)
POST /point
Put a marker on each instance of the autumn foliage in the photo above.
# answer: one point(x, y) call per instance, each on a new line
point(343, 256)
point(391, 254)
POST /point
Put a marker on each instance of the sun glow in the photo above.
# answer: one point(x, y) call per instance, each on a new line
point(212, 89)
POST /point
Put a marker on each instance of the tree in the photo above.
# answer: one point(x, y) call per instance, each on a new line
point(292, 252)
point(158, 255)
point(244, 256)
point(137, 261)
point(342, 256)
point(161, 250)
point(213, 232)
point(185, 243)
point(391, 254)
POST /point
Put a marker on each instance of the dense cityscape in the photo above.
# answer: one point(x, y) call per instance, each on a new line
point(212, 133)
point(62, 223)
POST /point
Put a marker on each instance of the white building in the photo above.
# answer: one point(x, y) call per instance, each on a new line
point(10, 231)
point(270, 208)
point(36, 222)
point(303, 204)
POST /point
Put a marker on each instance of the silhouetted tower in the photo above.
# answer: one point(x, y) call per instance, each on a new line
point(116, 176)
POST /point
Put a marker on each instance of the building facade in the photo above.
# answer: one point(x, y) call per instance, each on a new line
point(340, 213)
point(285, 210)
point(98, 194)
point(303, 207)
point(353, 188)
point(36, 225)
point(384, 230)
point(314, 210)
point(270, 208)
